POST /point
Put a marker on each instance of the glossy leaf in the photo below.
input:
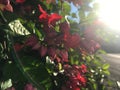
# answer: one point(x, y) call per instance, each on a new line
point(18, 28)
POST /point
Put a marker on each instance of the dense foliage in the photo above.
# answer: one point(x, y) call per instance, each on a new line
point(45, 45)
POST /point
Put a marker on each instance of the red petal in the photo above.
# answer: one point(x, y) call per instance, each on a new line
point(53, 18)
point(9, 8)
point(41, 10)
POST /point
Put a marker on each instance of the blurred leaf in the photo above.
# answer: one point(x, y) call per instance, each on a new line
point(82, 15)
point(66, 8)
point(100, 52)
point(88, 58)
point(6, 84)
point(118, 83)
point(106, 72)
point(105, 66)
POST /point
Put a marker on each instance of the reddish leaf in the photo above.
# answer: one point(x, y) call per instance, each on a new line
point(20, 1)
point(18, 47)
point(31, 41)
point(43, 51)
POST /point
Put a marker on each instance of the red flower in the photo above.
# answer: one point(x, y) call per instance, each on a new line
point(81, 79)
point(5, 5)
point(44, 16)
point(53, 18)
point(41, 10)
point(48, 19)
point(20, 1)
point(76, 78)
point(83, 68)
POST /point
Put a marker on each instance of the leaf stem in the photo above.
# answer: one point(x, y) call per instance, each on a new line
point(3, 18)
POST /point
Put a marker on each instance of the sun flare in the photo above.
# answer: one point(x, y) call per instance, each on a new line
point(109, 13)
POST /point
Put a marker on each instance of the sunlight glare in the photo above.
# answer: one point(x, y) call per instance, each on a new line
point(109, 13)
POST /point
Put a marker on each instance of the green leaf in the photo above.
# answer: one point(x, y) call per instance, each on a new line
point(17, 28)
point(82, 15)
point(6, 84)
point(10, 70)
point(38, 74)
point(88, 58)
point(1, 48)
point(106, 72)
point(30, 26)
point(100, 52)
point(105, 66)
point(66, 8)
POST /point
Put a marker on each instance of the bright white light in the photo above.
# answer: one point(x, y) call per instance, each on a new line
point(109, 13)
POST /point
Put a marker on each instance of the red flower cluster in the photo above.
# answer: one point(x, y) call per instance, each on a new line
point(53, 40)
point(52, 37)
point(56, 45)
point(76, 78)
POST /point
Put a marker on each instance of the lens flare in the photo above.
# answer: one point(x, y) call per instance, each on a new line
point(109, 13)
